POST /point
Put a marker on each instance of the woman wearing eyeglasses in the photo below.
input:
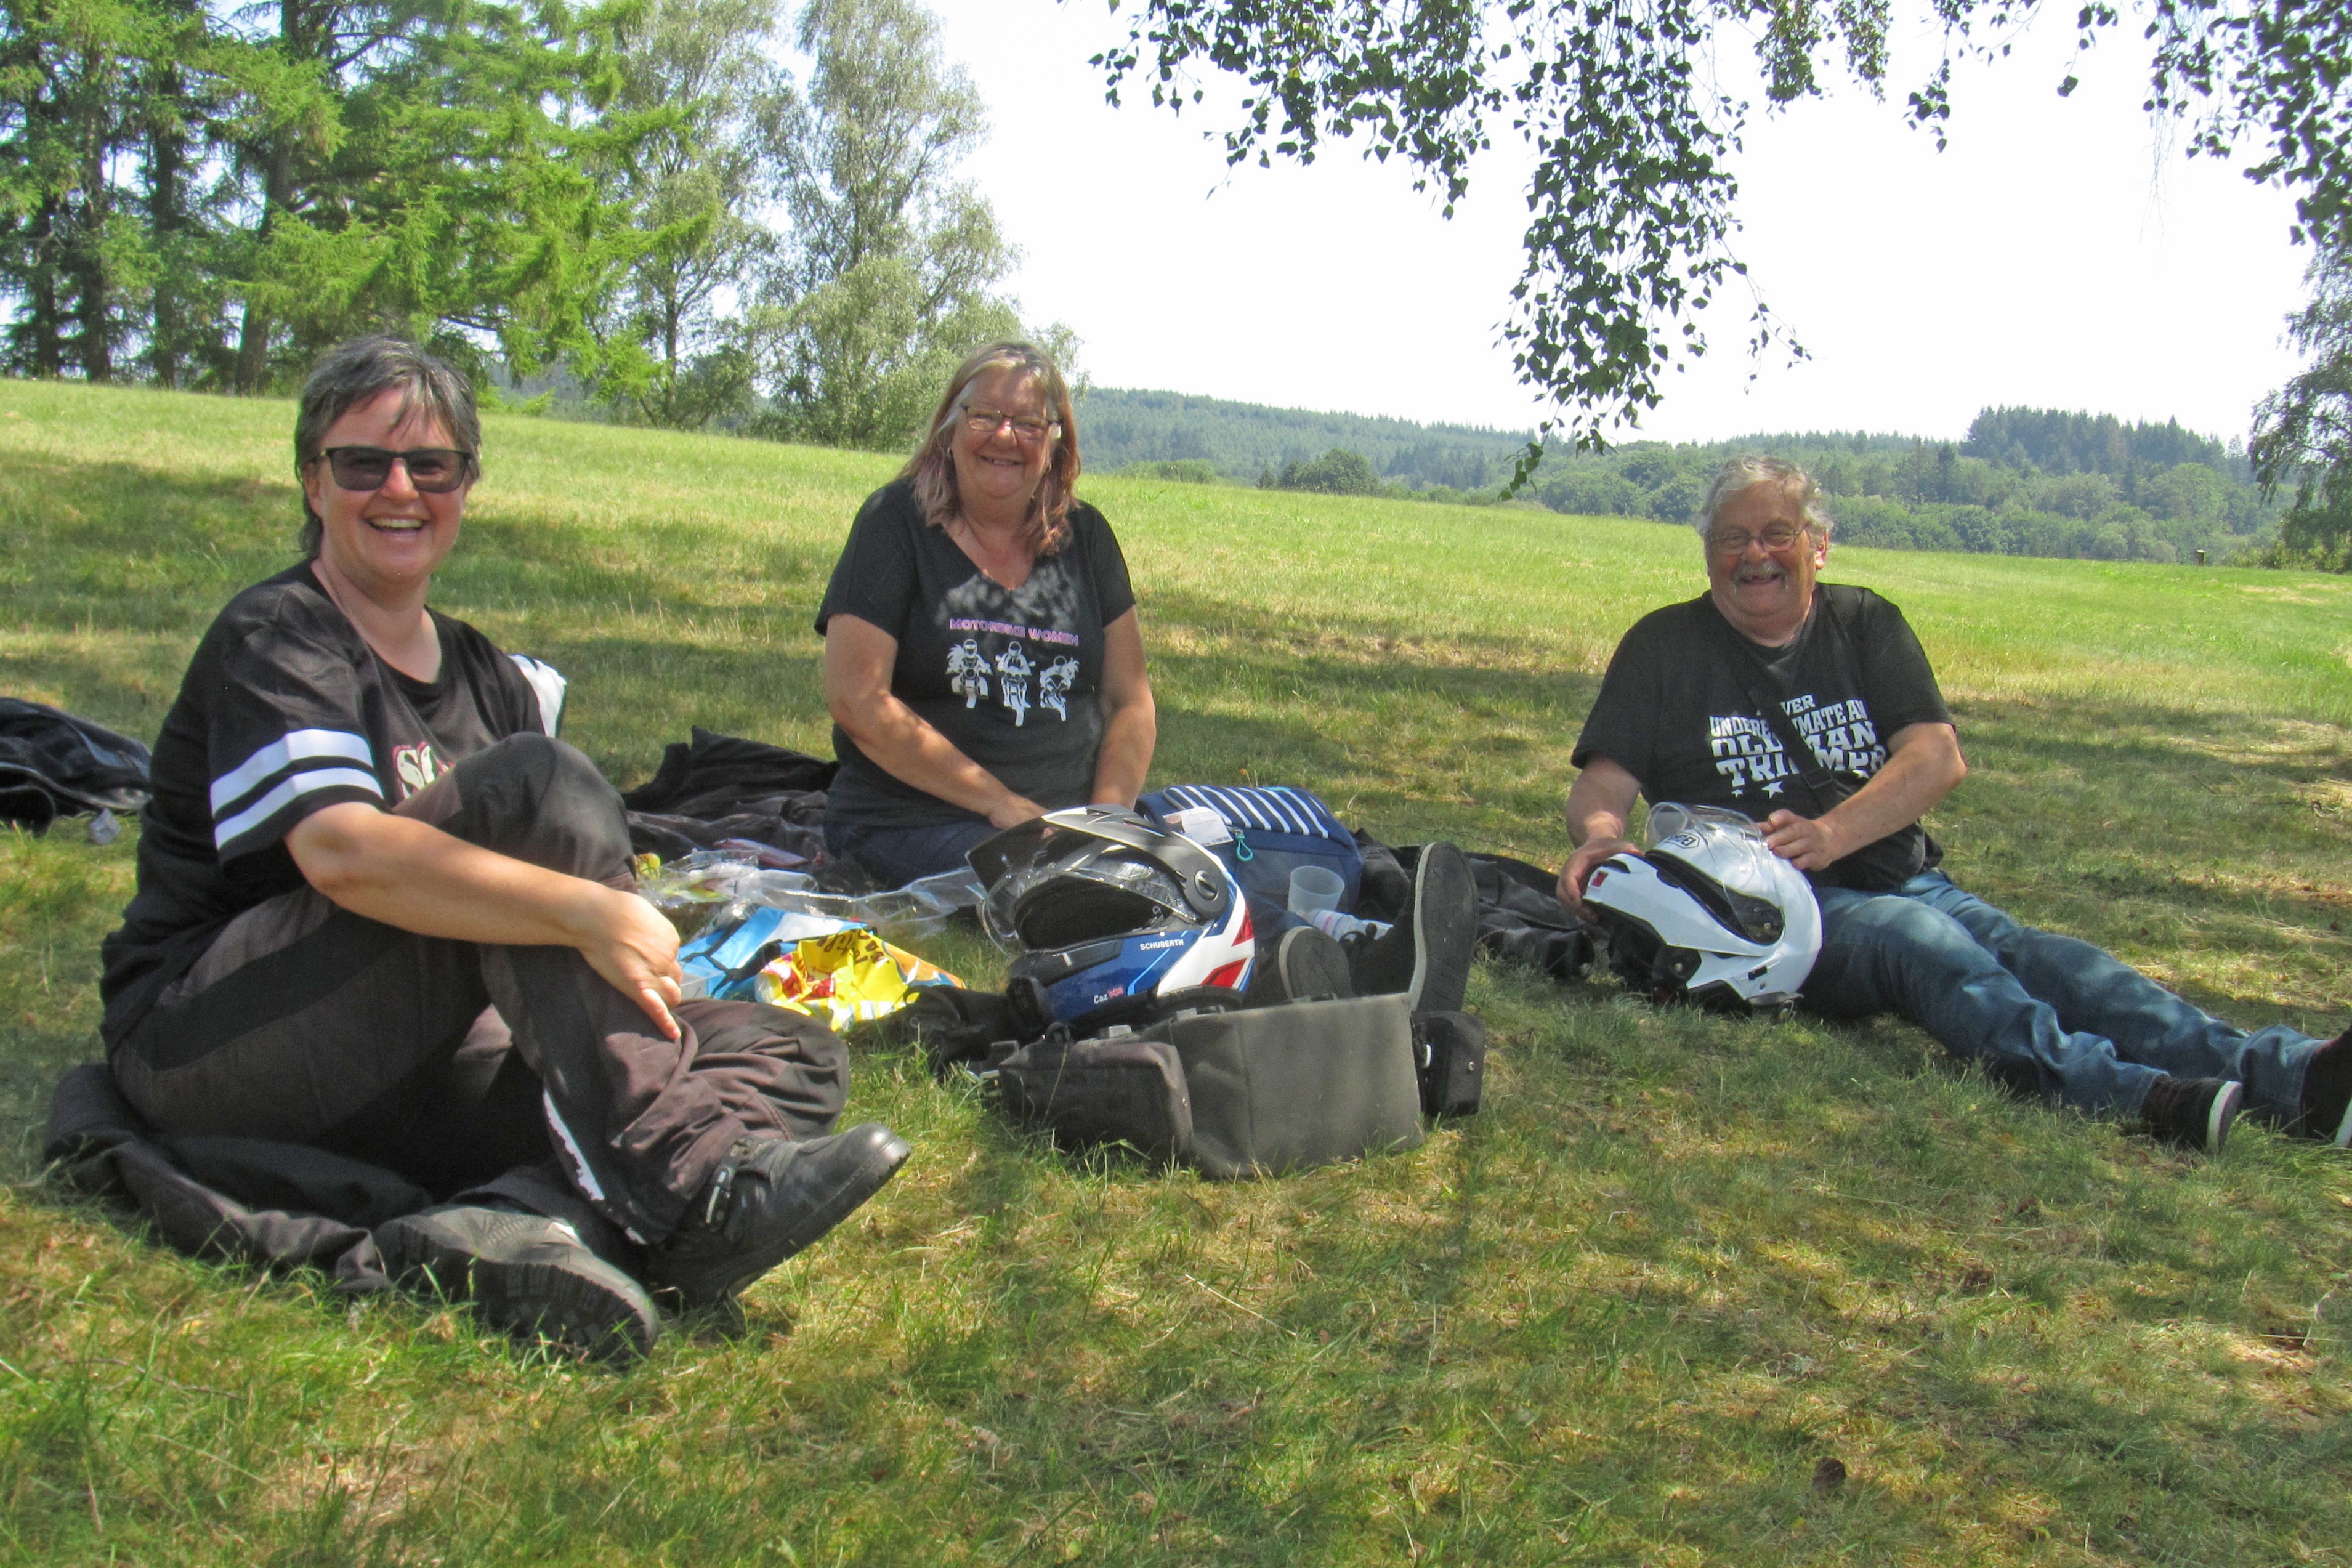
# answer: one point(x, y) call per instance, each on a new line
point(363, 836)
point(983, 660)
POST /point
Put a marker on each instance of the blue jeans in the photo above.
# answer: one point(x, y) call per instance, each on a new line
point(897, 855)
point(2044, 1013)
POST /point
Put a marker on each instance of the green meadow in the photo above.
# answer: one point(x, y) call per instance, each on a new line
point(1678, 1279)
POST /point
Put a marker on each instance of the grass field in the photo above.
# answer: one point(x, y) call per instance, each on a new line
point(1628, 1314)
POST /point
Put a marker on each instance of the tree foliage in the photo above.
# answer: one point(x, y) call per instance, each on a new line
point(2302, 432)
point(668, 347)
point(1633, 202)
point(893, 262)
point(1338, 472)
point(631, 192)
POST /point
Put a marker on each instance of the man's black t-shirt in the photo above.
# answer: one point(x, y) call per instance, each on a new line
point(284, 709)
point(1010, 676)
point(1675, 713)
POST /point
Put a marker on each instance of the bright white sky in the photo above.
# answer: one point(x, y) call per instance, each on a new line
point(2052, 255)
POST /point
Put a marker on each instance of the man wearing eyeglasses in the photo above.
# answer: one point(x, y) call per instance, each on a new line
point(1811, 708)
point(365, 834)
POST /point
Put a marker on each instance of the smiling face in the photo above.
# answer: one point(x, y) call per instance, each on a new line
point(1764, 593)
point(996, 472)
point(384, 542)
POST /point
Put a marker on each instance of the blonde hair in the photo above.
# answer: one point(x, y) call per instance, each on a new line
point(932, 468)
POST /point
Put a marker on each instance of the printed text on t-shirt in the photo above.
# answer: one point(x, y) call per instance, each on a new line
point(1841, 736)
point(1006, 629)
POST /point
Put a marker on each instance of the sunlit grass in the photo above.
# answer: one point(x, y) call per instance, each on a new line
point(1622, 1316)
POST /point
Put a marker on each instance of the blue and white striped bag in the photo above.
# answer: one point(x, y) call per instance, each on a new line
point(1268, 832)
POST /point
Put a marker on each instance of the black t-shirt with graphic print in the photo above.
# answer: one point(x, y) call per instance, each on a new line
point(284, 709)
point(1010, 676)
point(1675, 714)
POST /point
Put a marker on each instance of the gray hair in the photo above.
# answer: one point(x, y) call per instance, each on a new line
point(359, 372)
point(1737, 477)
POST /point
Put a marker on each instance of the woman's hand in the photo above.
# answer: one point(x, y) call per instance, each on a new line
point(412, 875)
point(1016, 810)
point(858, 659)
point(627, 940)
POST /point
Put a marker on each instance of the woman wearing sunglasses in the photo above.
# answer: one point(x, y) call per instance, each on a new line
point(982, 659)
point(383, 913)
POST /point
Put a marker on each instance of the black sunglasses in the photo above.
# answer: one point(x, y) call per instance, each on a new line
point(433, 471)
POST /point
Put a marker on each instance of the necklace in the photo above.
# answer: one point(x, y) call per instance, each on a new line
point(1007, 566)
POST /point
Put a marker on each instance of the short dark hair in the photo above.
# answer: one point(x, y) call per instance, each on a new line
point(361, 371)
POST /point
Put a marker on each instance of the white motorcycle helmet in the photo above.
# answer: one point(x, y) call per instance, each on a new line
point(1709, 914)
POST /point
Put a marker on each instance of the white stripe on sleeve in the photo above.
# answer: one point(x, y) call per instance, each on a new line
point(301, 784)
point(299, 746)
point(548, 683)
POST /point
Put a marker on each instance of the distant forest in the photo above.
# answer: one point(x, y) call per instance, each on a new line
point(2025, 481)
point(1244, 442)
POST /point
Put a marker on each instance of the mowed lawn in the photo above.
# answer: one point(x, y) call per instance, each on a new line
point(1631, 1313)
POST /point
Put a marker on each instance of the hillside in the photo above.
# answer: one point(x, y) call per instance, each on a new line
point(2023, 481)
point(1632, 1312)
point(1244, 440)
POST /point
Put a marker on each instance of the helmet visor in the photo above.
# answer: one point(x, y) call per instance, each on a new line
point(1073, 888)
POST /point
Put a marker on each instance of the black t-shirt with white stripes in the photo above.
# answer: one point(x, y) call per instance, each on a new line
point(285, 710)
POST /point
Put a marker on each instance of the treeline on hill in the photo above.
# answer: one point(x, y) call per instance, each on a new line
point(1208, 438)
point(628, 200)
point(2025, 481)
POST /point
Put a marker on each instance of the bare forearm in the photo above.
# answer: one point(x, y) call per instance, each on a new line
point(1129, 733)
point(413, 876)
point(1600, 805)
point(1897, 796)
point(896, 739)
point(1597, 807)
point(1923, 765)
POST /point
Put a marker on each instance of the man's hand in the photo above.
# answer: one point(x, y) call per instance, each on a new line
point(1578, 869)
point(1599, 804)
point(626, 940)
point(1808, 843)
point(1923, 764)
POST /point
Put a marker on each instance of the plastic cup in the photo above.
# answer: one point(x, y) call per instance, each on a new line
point(1314, 889)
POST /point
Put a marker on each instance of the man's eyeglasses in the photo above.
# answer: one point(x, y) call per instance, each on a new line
point(1026, 430)
point(1735, 541)
point(433, 471)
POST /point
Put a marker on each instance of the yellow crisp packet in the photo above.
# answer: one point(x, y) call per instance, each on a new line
point(847, 977)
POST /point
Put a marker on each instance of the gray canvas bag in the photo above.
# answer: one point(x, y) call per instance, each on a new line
point(1286, 1088)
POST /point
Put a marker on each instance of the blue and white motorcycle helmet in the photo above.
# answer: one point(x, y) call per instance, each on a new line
point(1111, 916)
point(1709, 914)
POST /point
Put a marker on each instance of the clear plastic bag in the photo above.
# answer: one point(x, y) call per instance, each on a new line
point(709, 880)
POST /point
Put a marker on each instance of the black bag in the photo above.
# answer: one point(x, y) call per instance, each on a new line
point(1292, 1086)
point(1120, 1089)
point(53, 764)
point(954, 1024)
point(1449, 1054)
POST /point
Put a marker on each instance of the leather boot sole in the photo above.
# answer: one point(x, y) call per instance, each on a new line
point(525, 1275)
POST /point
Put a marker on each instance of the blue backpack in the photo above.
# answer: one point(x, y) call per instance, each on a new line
point(1275, 829)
